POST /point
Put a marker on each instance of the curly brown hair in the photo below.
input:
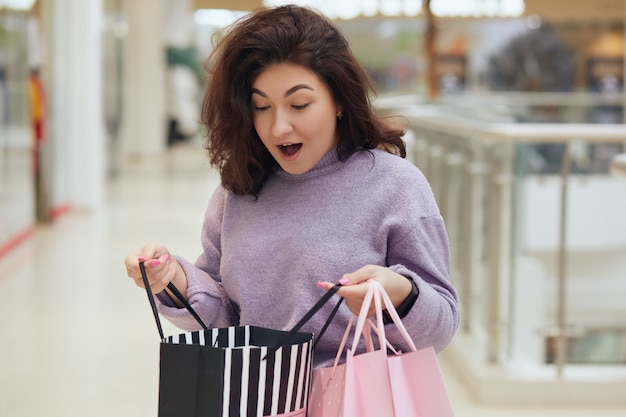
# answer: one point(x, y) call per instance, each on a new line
point(296, 35)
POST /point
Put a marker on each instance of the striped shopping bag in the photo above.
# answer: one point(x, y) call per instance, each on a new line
point(241, 371)
point(234, 371)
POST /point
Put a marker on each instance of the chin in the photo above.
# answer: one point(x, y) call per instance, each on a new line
point(293, 170)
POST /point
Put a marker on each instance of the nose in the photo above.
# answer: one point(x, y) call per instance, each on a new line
point(281, 125)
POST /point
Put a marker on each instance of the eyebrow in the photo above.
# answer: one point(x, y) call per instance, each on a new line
point(287, 93)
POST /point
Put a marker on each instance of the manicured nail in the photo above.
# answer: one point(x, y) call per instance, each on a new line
point(321, 285)
point(344, 281)
point(166, 257)
point(141, 258)
point(155, 262)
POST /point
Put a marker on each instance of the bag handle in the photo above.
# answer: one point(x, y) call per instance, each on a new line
point(365, 325)
point(320, 303)
point(146, 284)
point(329, 319)
point(176, 293)
point(316, 307)
point(377, 294)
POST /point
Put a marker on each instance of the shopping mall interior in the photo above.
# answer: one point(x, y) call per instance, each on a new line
point(514, 112)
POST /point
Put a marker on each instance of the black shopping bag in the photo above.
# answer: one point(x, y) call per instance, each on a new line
point(235, 371)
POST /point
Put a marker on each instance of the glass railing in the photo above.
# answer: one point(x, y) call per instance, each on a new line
point(537, 228)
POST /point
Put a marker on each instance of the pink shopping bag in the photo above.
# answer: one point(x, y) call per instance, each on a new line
point(326, 396)
point(373, 384)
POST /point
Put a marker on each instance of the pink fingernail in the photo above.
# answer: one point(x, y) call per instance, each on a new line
point(141, 258)
point(156, 262)
point(166, 258)
point(321, 285)
point(344, 281)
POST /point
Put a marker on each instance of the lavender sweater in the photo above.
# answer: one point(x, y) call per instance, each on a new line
point(262, 258)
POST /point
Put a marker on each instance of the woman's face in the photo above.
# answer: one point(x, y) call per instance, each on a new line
point(294, 115)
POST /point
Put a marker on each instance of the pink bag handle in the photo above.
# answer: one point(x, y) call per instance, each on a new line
point(370, 326)
point(377, 293)
point(395, 317)
point(342, 345)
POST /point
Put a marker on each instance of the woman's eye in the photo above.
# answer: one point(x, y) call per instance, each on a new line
point(300, 106)
point(260, 108)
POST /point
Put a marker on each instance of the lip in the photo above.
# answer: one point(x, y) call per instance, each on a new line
point(288, 158)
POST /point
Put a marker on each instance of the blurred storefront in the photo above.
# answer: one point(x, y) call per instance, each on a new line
point(17, 188)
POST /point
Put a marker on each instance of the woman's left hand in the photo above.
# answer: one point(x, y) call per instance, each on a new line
point(397, 286)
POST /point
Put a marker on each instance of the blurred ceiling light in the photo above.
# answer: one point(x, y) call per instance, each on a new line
point(368, 7)
point(348, 9)
point(218, 18)
point(411, 7)
point(491, 8)
point(391, 7)
point(17, 4)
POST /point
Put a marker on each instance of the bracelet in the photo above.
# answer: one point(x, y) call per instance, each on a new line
point(404, 308)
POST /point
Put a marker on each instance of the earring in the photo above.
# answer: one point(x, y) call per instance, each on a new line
point(339, 115)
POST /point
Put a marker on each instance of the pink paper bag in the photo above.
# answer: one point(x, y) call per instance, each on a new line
point(368, 388)
point(417, 385)
point(327, 392)
point(372, 384)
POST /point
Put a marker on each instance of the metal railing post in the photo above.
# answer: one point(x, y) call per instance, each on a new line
point(562, 334)
point(473, 213)
point(499, 248)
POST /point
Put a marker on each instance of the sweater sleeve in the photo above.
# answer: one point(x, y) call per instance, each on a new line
point(419, 249)
point(204, 290)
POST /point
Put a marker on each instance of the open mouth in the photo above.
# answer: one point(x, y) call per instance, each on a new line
point(290, 149)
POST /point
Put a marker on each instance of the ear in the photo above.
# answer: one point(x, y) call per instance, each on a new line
point(339, 112)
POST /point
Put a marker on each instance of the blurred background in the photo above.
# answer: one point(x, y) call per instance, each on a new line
point(514, 111)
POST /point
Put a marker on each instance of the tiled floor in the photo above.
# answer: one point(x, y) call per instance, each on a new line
point(77, 337)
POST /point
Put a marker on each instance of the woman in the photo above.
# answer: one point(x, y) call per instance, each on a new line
point(314, 190)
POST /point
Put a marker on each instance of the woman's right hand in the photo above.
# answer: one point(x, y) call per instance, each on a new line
point(161, 268)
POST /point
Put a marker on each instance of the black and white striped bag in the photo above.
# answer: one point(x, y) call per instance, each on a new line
point(235, 371)
point(245, 371)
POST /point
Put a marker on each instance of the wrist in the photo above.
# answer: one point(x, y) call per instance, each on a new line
point(406, 305)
